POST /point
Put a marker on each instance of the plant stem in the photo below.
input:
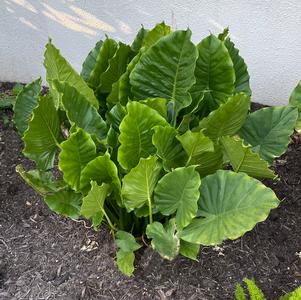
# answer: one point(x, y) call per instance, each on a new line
point(150, 211)
point(109, 221)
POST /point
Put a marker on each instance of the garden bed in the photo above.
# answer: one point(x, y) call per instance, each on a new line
point(45, 256)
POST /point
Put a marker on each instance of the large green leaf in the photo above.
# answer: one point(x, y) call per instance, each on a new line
point(117, 66)
point(125, 254)
point(138, 185)
point(169, 149)
point(93, 203)
point(214, 72)
point(90, 61)
point(136, 134)
point(178, 192)
point(66, 203)
point(102, 170)
point(137, 43)
point(195, 144)
point(241, 70)
point(230, 205)
point(105, 53)
point(75, 153)
point(43, 135)
point(57, 68)
point(26, 101)
point(164, 240)
point(166, 70)
point(155, 34)
point(42, 182)
point(80, 111)
point(243, 159)
point(227, 119)
point(268, 130)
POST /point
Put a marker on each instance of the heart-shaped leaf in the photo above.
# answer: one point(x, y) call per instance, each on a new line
point(166, 70)
point(136, 134)
point(75, 154)
point(230, 205)
point(178, 192)
point(268, 130)
point(93, 203)
point(214, 73)
point(138, 185)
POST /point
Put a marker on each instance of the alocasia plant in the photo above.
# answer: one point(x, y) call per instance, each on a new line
point(145, 139)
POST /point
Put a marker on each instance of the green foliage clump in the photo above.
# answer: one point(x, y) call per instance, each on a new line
point(145, 136)
point(255, 293)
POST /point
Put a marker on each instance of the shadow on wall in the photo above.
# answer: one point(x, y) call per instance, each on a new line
point(48, 17)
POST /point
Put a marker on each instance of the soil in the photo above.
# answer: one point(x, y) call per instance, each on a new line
point(46, 256)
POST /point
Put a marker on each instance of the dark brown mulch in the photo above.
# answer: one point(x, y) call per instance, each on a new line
point(45, 256)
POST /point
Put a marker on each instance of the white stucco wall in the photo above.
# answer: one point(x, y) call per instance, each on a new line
point(268, 33)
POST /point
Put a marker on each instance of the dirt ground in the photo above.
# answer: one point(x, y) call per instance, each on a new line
point(45, 256)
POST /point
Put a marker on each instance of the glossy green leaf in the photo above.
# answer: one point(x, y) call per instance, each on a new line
point(230, 205)
point(136, 134)
point(117, 66)
point(242, 77)
point(102, 170)
point(80, 111)
point(90, 61)
point(195, 144)
point(93, 204)
point(210, 162)
point(164, 240)
point(214, 72)
point(244, 160)
point(42, 182)
point(166, 70)
point(66, 203)
point(125, 254)
point(138, 185)
point(26, 101)
point(43, 135)
point(169, 149)
point(268, 130)
point(137, 43)
point(159, 31)
point(105, 53)
point(57, 68)
point(227, 119)
point(75, 154)
point(189, 250)
point(178, 192)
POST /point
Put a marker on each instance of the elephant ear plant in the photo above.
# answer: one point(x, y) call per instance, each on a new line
point(154, 139)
